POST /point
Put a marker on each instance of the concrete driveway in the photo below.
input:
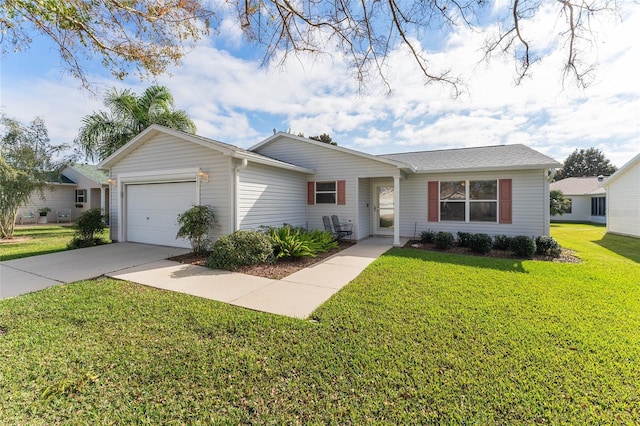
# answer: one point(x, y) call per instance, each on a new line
point(34, 273)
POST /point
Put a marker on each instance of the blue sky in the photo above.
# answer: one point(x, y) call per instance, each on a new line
point(233, 99)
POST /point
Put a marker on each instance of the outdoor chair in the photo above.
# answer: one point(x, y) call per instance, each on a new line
point(64, 216)
point(342, 230)
point(28, 217)
point(327, 224)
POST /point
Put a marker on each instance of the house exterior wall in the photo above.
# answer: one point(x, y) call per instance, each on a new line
point(528, 204)
point(164, 152)
point(270, 196)
point(57, 197)
point(332, 165)
point(580, 210)
point(83, 182)
point(623, 203)
point(364, 208)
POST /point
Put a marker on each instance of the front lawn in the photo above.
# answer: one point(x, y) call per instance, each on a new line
point(36, 240)
point(419, 337)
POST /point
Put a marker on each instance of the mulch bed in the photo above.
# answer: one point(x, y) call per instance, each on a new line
point(567, 256)
point(276, 271)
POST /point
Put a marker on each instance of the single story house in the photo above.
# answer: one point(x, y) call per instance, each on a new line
point(587, 199)
point(76, 189)
point(623, 194)
point(290, 179)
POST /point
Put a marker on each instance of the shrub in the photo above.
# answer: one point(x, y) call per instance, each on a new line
point(288, 242)
point(443, 240)
point(320, 241)
point(547, 246)
point(502, 242)
point(427, 236)
point(464, 238)
point(195, 224)
point(87, 226)
point(523, 246)
point(239, 249)
point(480, 243)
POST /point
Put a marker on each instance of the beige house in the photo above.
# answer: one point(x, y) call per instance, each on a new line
point(289, 179)
point(78, 188)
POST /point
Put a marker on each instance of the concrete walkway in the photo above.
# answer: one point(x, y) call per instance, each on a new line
point(21, 276)
point(297, 295)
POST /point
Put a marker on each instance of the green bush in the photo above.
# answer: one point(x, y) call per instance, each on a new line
point(480, 243)
point(502, 242)
point(288, 242)
point(239, 249)
point(464, 238)
point(443, 240)
point(87, 226)
point(320, 241)
point(547, 246)
point(195, 224)
point(523, 246)
point(427, 236)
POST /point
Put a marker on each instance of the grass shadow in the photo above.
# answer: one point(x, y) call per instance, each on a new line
point(500, 264)
point(628, 247)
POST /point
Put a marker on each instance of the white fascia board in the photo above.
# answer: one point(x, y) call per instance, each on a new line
point(489, 169)
point(257, 158)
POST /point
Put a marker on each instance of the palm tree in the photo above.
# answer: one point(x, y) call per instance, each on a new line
point(102, 133)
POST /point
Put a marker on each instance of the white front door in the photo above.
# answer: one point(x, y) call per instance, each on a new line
point(152, 212)
point(383, 206)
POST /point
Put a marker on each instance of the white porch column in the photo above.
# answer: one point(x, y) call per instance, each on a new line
point(396, 211)
point(103, 203)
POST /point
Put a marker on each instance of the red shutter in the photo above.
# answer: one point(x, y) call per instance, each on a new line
point(433, 200)
point(505, 200)
point(311, 193)
point(342, 200)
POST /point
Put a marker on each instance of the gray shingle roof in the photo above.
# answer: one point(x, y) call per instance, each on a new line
point(578, 186)
point(500, 157)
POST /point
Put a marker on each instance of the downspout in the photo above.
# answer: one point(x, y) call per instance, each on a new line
point(236, 193)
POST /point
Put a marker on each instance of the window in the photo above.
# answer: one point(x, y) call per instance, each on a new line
point(569, 205)
point(469, 201)
point(326, 192)
point(598, 206)
point(81, 195)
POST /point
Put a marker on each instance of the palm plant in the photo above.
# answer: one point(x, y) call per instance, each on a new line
point(102, 133)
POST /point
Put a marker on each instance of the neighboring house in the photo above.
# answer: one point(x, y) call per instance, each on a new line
point(76, 189)
point(162, 172)
point(587, 199)
point(623, 194)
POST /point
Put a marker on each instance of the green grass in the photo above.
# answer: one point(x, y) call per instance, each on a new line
point(43, 240)
point(419, 337)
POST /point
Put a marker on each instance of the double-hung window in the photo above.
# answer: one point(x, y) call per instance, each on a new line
point(81, 195)
point(326, 192)
point(469, 200)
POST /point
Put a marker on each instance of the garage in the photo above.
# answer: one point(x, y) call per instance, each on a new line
point(152, 210)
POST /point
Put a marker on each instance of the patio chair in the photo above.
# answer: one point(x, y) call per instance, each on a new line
point(327, 224)
point(342, 230)
point(27, 217)
point(64, 216)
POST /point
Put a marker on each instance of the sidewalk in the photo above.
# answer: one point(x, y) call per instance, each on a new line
point(296, 296)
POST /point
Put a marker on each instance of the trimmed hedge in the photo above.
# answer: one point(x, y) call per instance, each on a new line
point(464, 239)
point(239, 249)
point(502, 242)
point(547, 246)
point(480, 243)
point(427, 236)
point(523, 246)
point(443, 240)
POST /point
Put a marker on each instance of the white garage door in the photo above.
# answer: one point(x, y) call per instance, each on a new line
point(152, 212)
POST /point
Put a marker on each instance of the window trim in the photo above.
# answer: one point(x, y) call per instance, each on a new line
point(83, 196)
point(599, 206)
point(468, 201)
point(334, 192)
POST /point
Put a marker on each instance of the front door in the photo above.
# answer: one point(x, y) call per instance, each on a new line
point(383, 209)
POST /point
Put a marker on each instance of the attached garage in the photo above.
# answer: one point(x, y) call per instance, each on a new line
point(152, 210)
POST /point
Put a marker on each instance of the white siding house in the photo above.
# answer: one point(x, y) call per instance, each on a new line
point(587, 199)
point(296, 180)
point(623, 196)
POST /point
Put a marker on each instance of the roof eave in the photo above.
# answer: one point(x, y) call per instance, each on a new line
point(272, 162)
point(491, 169)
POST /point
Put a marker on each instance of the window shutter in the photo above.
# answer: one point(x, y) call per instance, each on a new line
point(432, 198)
point(311, 193)
point(342, 200)
point(505, 200)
